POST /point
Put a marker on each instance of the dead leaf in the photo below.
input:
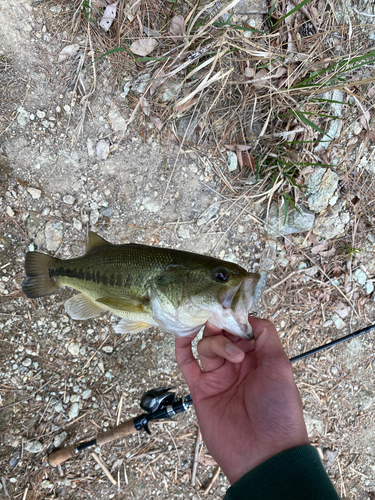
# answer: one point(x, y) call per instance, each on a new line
point(371, 91)
point(145, 105)
point(186, 105)
point(157, 122)
point(108, 16)
point(280, 72)
point(143, 46)
point(319, 248)
point(249, 72)
point(365, 119)
point(177, 28)
point(68, 51)
point(260, 77)
point(240, 147)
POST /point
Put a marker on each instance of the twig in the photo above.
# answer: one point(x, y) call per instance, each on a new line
point(25, 493)
point(100, 462)
point(213, 479)
point(196, 454)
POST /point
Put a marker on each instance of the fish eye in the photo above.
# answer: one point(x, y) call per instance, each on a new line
point(221, 275)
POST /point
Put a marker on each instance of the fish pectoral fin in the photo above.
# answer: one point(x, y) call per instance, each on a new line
point(131, 326)
point(82, 307)
point(94, 240)
point(124, 303)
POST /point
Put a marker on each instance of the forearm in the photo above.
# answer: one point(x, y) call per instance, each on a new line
point(294, 474)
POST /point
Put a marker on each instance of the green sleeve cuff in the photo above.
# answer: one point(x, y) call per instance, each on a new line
point(295, 474)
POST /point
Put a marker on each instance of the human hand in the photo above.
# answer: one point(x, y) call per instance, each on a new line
point(247, 403)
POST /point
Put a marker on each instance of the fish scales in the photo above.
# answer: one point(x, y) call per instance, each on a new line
point(147, 286)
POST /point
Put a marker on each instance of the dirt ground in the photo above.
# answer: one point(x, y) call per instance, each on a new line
point(60, 376)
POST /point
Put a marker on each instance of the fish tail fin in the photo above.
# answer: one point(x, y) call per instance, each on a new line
point(39, 279)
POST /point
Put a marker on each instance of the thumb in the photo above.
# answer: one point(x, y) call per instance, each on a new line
point(267, 341)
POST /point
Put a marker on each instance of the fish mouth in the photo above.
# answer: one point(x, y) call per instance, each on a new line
point(239, 298)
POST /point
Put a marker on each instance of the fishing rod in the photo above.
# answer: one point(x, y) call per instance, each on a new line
point(161, 403)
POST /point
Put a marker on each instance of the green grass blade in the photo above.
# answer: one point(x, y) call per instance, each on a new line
point(296, 9)
point(306, 121)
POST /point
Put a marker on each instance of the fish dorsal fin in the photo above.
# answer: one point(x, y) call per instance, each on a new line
point(95, 240)
point(124, 303)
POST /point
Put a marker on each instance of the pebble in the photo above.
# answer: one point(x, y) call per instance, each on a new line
point(359, 276)
point(26, 362)
point(337, 321)
point(232, 161)
point(207, 215)
point(183, 232)
point(107, 348)
point(102, 149)
point(45, 123)
point(22, 117)
point(152, 206)
point(73, 348)
point(69, 199)
point(59, 439)
point(54, 234)
point(73, 412)
point(90, 148)
point(67, 109)
point(77, 224)
point(59, 407)
point(33, 446)
point(369, 287)
point(40, 114)
point(46, 484)
point(86, 394)
point(35, 193)
point(10, 212)
point(94, 216)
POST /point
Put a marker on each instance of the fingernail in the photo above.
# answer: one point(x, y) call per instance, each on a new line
point(233, 350)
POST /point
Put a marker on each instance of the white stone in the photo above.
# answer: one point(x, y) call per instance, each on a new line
point(10, 212)
point(102, 149)
point(73, 348)
point(59, 439)
point(77, 224)
point(107, 348)
point(232, 161)
point(40, 114)
point(313, 425)
point(68, 199)
point(54, 233)
point(359, 276)
point(73, 412)
point(35, 193)
point(183, 232)
point(26, 362)
point(94, 216)
point(152, 206)
point(33, 446)
point(369, 287)
point(86, 394)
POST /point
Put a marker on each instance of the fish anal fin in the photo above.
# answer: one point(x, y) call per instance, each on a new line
point(94, 240)
point(82, 307)
point(131, 326)
point(124, 303)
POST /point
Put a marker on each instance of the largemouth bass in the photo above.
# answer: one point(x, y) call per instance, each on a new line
point(148, 286)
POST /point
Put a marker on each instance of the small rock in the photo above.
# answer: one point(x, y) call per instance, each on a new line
point(67, 109)
point(86, 394)
point(102, 149)
point(152, 206)
point(107, 211)
point(359, 276)
point(54, 234)
point(298, 219)
point(56, 9)
point(333, 223)
point(369, 287)
point(94, 216)
point(10, 212)
point(59, 407)
point(45, 123)
point(26, 362)
point(40, 114)
point(232, 161)
point(186, 127)
point(33, 446)
point(183, 232)
point(118, 122)
point(107, 348)
point(73, 412)
point(90, 147)
point(35, 193)
point(45, 484)
point(13, 462)
point(68, 51)
point(207, 215)
point(338, 322)
point(73, 348)
point(22, 117)
point(170, 91)
point(330, 456)
point(59, 439)
point(77, 224)
point(337, 99)
point(68, 199)
point(356, 128)
point(313, 425)
point(321, 186)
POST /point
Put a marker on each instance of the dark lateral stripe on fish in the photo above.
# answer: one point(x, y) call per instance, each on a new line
point(80, 274)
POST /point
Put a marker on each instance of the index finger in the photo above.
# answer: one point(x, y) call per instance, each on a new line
point(185, 359)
